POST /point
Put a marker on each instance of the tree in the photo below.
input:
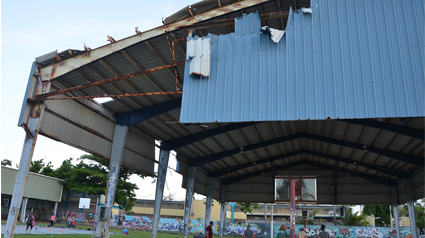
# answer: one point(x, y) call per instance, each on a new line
point(379, 211)
point(6, 162)
point(90, 175)
point(351, 219)
point(419, 213)
point(247, 206)
point(169, 197)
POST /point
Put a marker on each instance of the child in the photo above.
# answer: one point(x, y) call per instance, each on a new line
point(30, 223)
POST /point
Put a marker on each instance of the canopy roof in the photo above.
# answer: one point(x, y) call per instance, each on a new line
point(359, 160)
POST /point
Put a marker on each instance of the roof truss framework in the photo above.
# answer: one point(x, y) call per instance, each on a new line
point(215, 148)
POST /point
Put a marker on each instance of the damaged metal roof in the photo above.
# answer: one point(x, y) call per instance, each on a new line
point(305, 147)
point(323, 67)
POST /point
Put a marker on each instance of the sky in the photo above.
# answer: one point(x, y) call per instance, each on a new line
point(33, 28)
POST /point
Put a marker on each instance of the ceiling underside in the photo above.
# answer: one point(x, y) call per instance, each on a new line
point(377, 150)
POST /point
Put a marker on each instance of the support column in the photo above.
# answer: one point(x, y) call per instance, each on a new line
point(117, 151)
point(395, 209)
point(292, 183)
point(24, 209)
point(222, 209)
point(96, 226)
point(265, 213)
point(164, 155)
point(410, 205)
point(55, 211)
point(190, 181)
point(22, 175)
point(271, 220)
point(210, 191)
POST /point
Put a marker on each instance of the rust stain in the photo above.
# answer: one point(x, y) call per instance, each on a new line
point(190, 19)
point(87, 55)
point(63, 63)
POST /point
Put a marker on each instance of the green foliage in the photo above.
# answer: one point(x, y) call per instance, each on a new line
point(90, 175)
point(6, 162)
point(379, 211)
point(169, 197)
point(247, 206)
point(419, 213)
point(355, 219)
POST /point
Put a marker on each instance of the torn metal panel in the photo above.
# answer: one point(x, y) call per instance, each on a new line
point(276, 34)
point(324, 67)
point(198, 56)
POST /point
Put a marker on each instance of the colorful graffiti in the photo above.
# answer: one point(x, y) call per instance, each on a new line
point(239, 228)
point(259, 229)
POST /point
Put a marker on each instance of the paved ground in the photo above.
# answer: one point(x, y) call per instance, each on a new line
point(20, 229)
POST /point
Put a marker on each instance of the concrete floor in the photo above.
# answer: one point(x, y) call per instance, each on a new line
point(37, 230)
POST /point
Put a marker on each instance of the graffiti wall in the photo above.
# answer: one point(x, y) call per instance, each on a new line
point(259, 229)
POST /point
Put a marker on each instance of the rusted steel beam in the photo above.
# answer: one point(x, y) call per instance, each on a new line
point(27, 131)
point(87, 57)
point(176, 72)
point(106, 95)
point(110, 80)
point(231, 21)
point(161, 59)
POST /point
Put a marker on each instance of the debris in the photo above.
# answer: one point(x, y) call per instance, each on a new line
point(307, 10)
point(275, 33)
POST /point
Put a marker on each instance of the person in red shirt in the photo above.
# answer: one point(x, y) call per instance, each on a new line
point(209, 230)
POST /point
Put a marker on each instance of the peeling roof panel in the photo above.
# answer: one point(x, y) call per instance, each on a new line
point(349, 59)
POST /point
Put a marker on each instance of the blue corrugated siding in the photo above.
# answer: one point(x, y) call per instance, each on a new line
point(348, 59)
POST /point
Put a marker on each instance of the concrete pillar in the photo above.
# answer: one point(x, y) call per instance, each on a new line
point(21, 176)
point(55, 210)
point(210, 192)
point(410, 205)
point(96, 223)
point(164, 155)
point(271, 220)
point(117, 151)
point(23, 209)
point(222, 209)
point(395, 208)
point(190, 181)
point(292, 183)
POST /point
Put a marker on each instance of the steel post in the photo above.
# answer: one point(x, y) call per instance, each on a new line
point(292, 208)
point(410, 205)
point(22, 175)
point(222, 209)
point(117, 151)
point(164, 155)
point(265, 213)
point(55, 211)
point(210, 191)
point(271, 220)
point(23, 209)
point(190, 181)
point(395, 209)
point(96, 227)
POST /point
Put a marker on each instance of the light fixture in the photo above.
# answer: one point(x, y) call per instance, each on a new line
point(355, 164)
point(365, 149)
point(348, 175)
point(242, 151)
point(254, 163)
point(262, 174)
point(205, 126)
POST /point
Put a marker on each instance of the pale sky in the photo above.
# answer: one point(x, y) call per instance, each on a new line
point(33, 28)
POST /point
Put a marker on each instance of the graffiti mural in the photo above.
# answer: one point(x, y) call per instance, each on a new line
point(4, 212)
point(259, 229)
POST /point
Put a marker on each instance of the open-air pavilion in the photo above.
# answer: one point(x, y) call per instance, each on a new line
point(331, 89)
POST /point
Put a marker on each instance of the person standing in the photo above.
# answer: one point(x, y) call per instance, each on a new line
point(52, 220)
point(209, 230)
point(248, 233)
point(323, 233)
point(301, 234)
point(30, 223)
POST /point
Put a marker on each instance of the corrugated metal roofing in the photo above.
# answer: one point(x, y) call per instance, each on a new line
point(348, 59)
